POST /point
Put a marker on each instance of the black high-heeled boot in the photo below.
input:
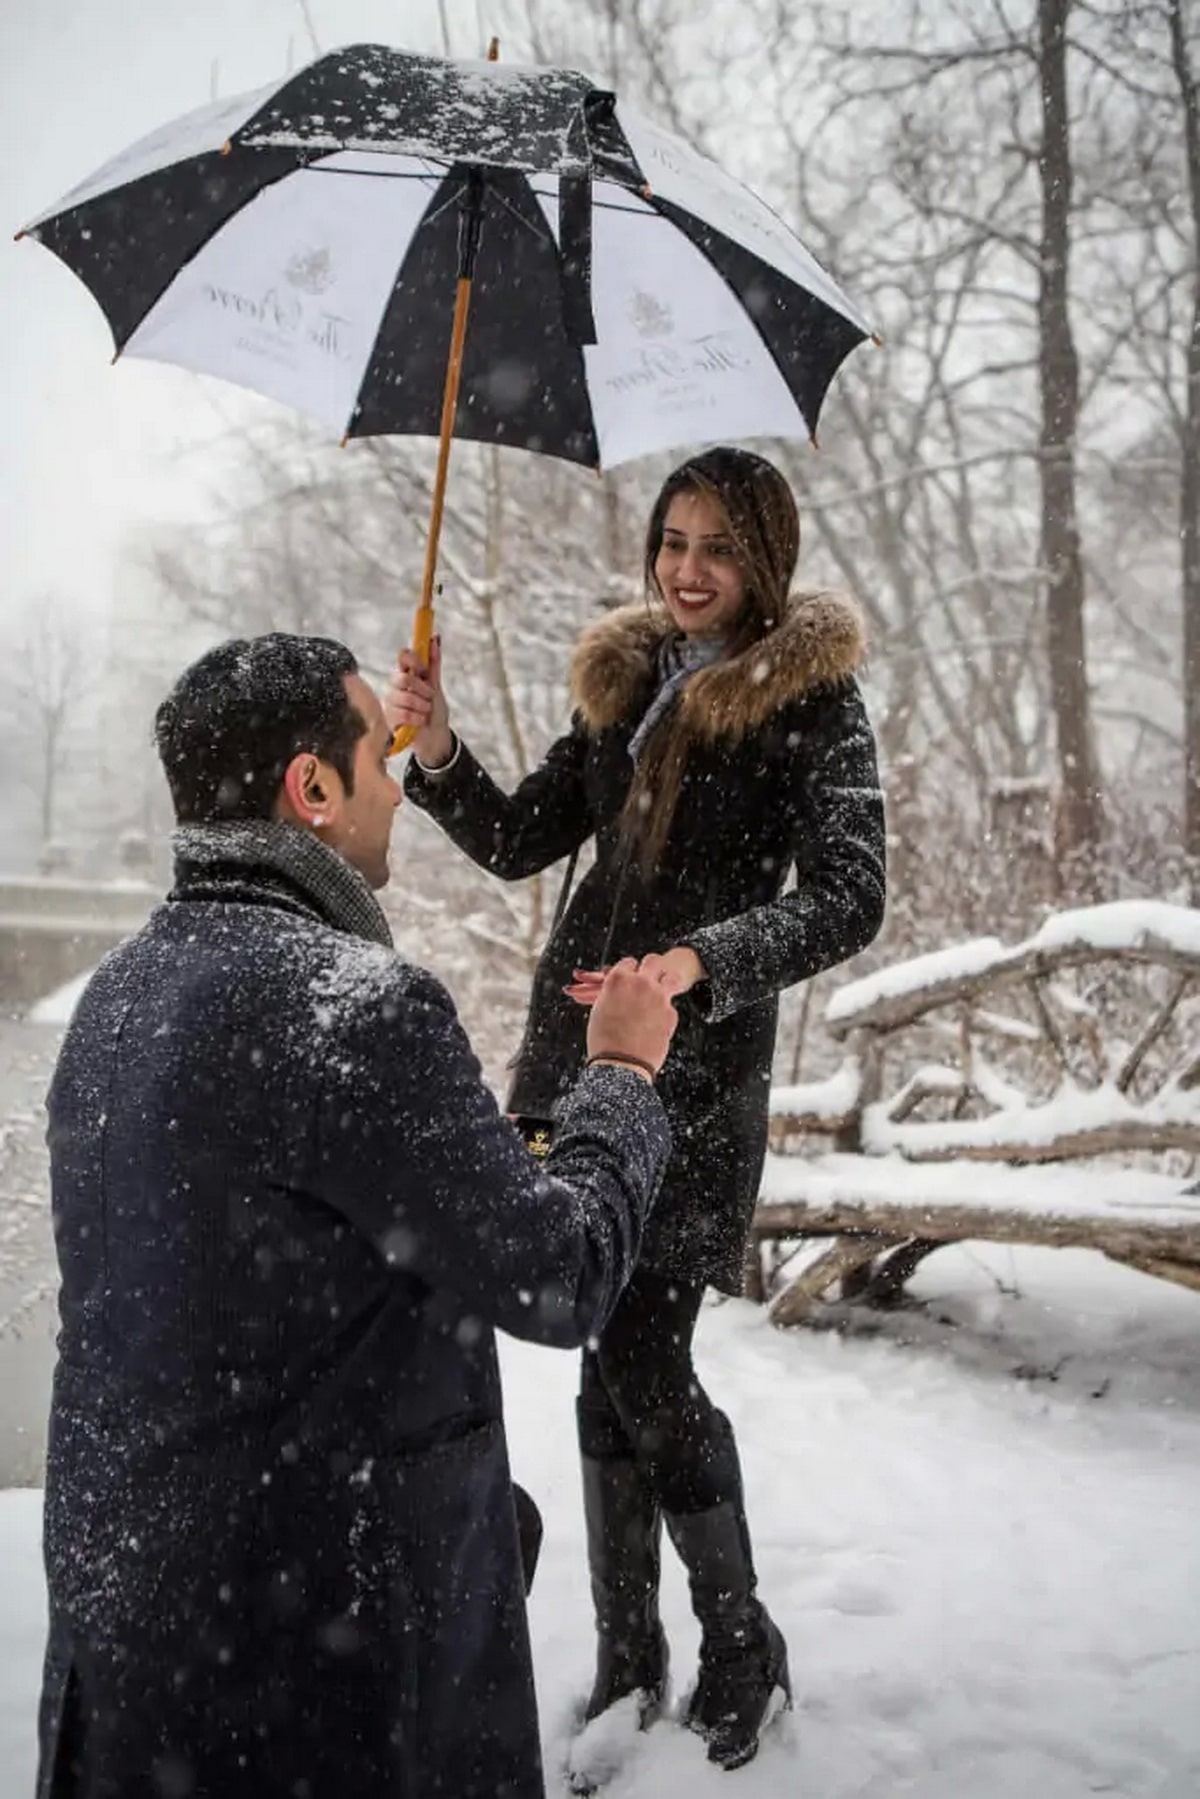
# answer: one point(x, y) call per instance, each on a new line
point(743, 1658)
point(624, 1530)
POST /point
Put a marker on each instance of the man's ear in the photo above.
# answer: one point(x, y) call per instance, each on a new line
point(310, 793)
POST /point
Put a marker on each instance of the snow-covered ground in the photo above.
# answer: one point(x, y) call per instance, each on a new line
point(979, 1526)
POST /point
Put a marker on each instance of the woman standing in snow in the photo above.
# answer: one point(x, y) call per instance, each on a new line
point(718, 741)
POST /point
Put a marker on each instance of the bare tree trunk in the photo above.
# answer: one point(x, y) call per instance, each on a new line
point(1189, 490)
point(614, 537)
point(56, 712)
point(1059, 378)
point(49, 783)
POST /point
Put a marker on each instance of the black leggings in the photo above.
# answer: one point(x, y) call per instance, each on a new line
point(639, 1395)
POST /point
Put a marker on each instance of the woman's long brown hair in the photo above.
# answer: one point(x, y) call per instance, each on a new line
point(760, 511)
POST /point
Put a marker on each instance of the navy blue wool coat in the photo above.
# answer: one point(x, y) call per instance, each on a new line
point(280, 1539)
point(774, 869)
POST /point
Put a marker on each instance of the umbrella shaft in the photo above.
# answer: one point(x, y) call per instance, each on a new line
point(454, 362)
point(471, 203)
point(470, 220)
point(423, 622)
point(470, 223)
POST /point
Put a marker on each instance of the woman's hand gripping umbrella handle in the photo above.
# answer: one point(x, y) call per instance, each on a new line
point(413, 703)
point(422, 649)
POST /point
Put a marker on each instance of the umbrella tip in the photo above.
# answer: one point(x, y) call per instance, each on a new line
point(647, 192)
point(877, 340)
point(227, 147)
point(17, 236)
point(493, 54)
point(812, 438)
point(345, 441)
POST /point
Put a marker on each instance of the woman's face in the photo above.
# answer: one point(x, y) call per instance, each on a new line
point(697, 569)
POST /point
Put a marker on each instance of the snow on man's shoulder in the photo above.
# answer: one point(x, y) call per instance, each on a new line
point(360, 982)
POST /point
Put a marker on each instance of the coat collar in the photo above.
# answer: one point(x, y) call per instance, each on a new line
point(247, 858)
point(820, 643)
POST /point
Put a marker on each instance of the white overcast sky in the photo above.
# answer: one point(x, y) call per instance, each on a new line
point(88, 451)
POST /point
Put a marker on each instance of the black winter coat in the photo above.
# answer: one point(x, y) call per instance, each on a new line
point(780, 775)
point(280, 1539)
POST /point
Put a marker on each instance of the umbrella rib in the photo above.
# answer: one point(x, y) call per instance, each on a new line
point(495, 193)
point(453, 199)
point(543, 237)
point(434, 175)
point(635, 212)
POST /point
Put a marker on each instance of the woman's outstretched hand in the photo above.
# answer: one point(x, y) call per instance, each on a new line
point(677, 970)
point(413, 696)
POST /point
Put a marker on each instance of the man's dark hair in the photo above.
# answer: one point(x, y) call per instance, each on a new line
point(233, 721)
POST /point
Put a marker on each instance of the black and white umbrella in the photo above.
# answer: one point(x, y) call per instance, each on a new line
point(626, 295)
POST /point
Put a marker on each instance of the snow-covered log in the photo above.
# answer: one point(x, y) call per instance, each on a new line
point(1077, 1126)
point(1130, 930)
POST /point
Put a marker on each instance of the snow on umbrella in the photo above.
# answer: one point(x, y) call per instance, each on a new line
point(626, 295)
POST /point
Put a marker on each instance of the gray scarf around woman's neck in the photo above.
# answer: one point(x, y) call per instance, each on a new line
point(248, 856)
point(679, 658)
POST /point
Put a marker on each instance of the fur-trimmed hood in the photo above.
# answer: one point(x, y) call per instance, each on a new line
point(820, 643)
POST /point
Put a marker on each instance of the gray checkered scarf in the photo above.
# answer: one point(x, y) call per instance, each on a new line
point(268, 860)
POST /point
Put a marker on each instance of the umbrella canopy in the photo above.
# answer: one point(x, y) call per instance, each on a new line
point(304, 241)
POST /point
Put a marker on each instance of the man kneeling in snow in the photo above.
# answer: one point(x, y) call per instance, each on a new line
point(280, 1536)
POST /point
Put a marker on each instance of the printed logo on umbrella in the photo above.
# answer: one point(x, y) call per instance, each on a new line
point(311, 271)
point(649, 317)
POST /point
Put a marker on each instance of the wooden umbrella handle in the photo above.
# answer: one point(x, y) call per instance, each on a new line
point(423, 622)
point(422, 637)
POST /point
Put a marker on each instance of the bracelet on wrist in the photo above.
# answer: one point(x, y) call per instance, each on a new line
point(440, 768)
point(616, 1055)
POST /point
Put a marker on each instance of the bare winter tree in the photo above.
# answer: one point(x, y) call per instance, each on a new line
point(999, 213)
point(1148, 571)
point(1188, 77)
point(1058, 370)
point(51, 685)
